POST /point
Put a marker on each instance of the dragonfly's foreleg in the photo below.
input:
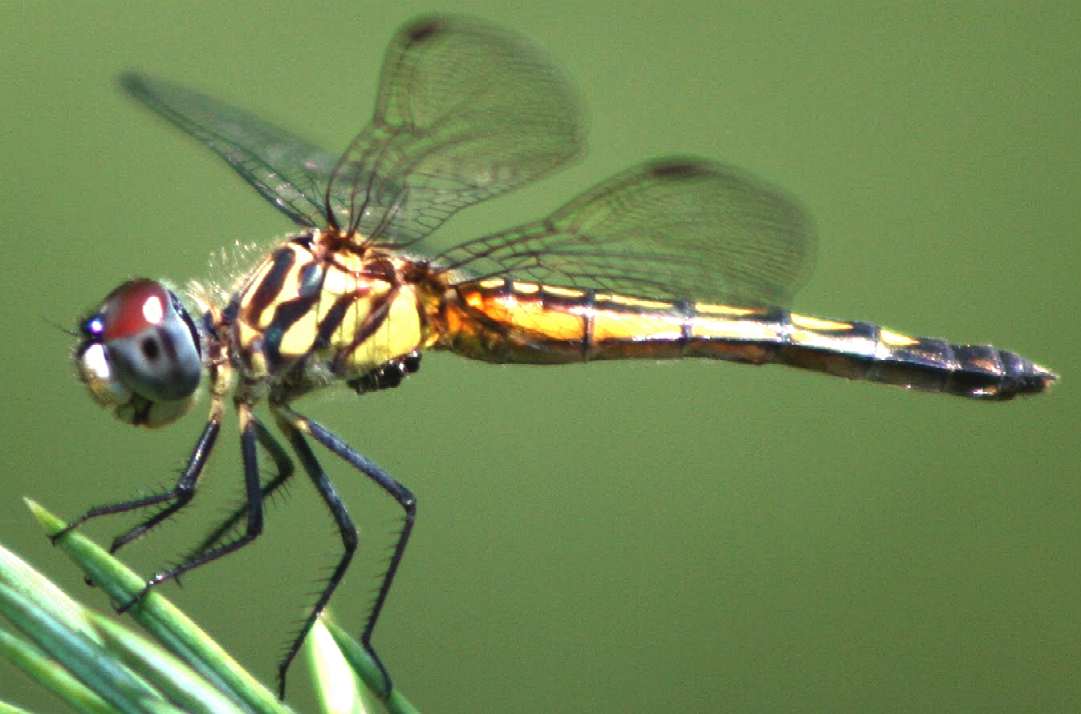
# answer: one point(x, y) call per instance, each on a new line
point(254, 510)
point(284, 471)
point(176, 497)
point(302, 425)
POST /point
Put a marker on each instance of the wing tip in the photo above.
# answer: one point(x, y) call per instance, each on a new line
point(134, 83)
point(424, 28)
point(680, 167)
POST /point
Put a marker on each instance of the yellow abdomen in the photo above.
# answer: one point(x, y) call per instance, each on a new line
point(502, 320)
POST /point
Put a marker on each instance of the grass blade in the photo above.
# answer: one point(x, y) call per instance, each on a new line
point(178, 682)
point(83, 657)
point(35, 587)
point(336, 685)
point(365, 668)
point(174, 630)
point(51, 675)
point(201, 677)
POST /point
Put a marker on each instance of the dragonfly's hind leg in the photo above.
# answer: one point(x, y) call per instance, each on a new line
point(297, 426)
point(346, 528)
point(175, 498)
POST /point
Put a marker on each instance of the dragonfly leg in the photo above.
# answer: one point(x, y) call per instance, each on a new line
point(284, 471)
point(346, 528)
point(176, 498)
point(397, 491)
point(254, 510)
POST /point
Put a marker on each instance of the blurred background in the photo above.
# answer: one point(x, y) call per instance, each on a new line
point(610, 537)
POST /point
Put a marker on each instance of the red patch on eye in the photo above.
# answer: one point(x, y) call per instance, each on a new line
point(134, 307)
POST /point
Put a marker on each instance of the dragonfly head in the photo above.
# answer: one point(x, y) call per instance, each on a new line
point(141, 354)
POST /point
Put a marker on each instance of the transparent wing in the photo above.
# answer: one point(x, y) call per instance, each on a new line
point(669, 229)
point(287, 171)
point(465, 112)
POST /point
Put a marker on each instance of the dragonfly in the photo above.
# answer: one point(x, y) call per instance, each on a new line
point(678, 257)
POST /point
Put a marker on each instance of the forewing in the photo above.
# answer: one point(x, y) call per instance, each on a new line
point(286, 170)
point(669, 229)
point(465, 112)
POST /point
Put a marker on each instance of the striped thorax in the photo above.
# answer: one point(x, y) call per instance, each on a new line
point(320, 308)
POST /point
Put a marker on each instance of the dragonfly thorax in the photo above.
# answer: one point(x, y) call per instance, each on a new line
point(319, 309)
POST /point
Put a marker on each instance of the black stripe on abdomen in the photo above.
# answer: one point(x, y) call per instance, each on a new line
point(864, 351)
point(867, 351)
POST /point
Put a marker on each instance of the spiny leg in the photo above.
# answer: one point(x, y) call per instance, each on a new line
point(284, 466)
point(400, 493)
point(254, 511)
point(346, 528)
point(177, 497)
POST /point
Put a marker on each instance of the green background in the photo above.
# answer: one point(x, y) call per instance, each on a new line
point(614, 537)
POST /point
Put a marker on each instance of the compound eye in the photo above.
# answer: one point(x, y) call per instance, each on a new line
point(151, 342)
